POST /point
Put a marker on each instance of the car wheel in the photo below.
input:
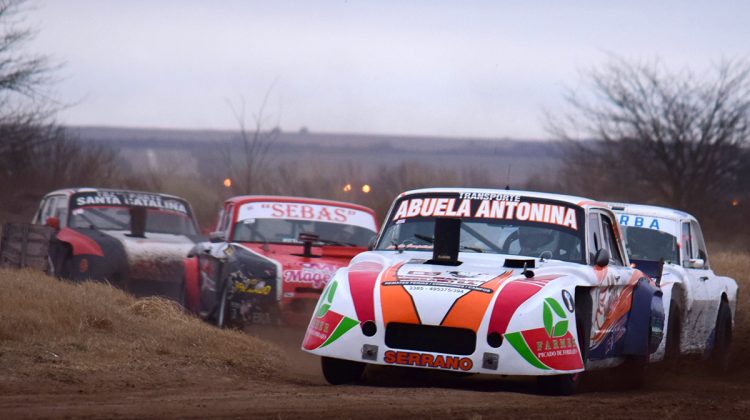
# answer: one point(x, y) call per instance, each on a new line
point(568, 384)
point(339, 372)
point(719, 359)
point(674, 332)
point(181, 297)
point(222, 308)
point(632, 372)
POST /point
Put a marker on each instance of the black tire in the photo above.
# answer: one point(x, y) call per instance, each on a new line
point(632, 372)
point(722, 345)
point(568, 384)
point(674, 332)
point(222, 309)
point(339, 372)
point(181, 300)
point(59, 262)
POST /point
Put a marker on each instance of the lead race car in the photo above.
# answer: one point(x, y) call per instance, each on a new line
point(700, 305)
point(490, 281)
point(135, 240)
point(270, 257)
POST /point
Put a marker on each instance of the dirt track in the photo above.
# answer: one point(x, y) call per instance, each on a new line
point(164, 381)
point(301, 393)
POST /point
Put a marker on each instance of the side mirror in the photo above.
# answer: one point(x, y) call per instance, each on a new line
point(53, 222)
point(217, 237)
point(372, 243)
point(601, 259)
point(696, 263)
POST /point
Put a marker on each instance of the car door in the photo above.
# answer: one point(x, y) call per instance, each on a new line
point(610, 302)
point(211, 261)
point(699, 277)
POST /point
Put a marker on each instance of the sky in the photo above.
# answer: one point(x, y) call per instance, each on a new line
point(485, 69)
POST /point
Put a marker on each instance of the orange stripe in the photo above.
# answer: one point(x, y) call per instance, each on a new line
point(624, 302)
point(469, 309)
point(395, 300)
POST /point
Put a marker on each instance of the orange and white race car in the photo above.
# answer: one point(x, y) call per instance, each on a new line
point(494, 282)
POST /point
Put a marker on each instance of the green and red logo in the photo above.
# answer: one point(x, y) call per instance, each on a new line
point(327, 325)
point(551, 347)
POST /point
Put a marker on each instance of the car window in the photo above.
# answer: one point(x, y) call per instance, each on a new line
point(38, 217)
point(226, 222)
point(53, 206)
point(608, 237)
point(595, 235)
point(687, 243)
point(60, 209)
point(698, 245)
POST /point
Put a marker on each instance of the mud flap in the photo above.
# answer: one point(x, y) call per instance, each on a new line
point(645, 328)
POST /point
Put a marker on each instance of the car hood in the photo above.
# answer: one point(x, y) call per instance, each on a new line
point(413, 291)
point(158, 256)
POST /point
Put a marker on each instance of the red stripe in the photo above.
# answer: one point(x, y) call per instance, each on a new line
point(192, 274)
point(362, 279)
point(513, 295)
point(81, 244)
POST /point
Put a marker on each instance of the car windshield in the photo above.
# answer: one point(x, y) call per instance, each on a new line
point(287, 231)
point(118, 218)
point(651, 245)
point(529, 228)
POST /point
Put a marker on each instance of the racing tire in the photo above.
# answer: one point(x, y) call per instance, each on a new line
point(339, 371)
point(722, 345)
point(568, 384)
point(181, 300)
point(222, 309)
point(674, 332)
point(632, 372)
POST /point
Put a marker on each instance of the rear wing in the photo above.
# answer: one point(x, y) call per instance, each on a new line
point(25, 245)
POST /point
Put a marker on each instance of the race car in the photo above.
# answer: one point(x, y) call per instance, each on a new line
point(699, 305)
point(134, 240)
point(270, 258)
point(495, 282)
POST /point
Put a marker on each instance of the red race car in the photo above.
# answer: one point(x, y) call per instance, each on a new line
point(271, 257)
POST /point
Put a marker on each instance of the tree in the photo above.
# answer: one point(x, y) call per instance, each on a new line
point(247, 157)
point(643, 133)
point(36, 154)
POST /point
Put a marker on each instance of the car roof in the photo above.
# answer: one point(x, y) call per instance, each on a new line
point(70, 191)
point(242, 199)
point(649, 210)
point(575, 200)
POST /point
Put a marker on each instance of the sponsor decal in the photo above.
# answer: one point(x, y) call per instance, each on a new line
point(130, 199)
point(568, 301)
point(304, 211)
point(550, 347)
point(440, 279)
point(439, 361)
point(315, 274)
point(555, 214)
point(327, 326)
point(250, 286)
point(645, 222)
point(83, 265)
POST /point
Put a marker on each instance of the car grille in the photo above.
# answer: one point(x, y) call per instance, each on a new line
point(430, 338)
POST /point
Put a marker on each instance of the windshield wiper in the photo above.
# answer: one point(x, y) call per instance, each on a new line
point(332, 242)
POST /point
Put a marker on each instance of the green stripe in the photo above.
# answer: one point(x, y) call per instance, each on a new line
point(516, 340)
point(345, 325)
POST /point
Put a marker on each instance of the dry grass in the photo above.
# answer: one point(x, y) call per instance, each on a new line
point(92, 334)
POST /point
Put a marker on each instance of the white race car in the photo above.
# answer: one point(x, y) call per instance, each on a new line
point(490, 281)
point(700, 305)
